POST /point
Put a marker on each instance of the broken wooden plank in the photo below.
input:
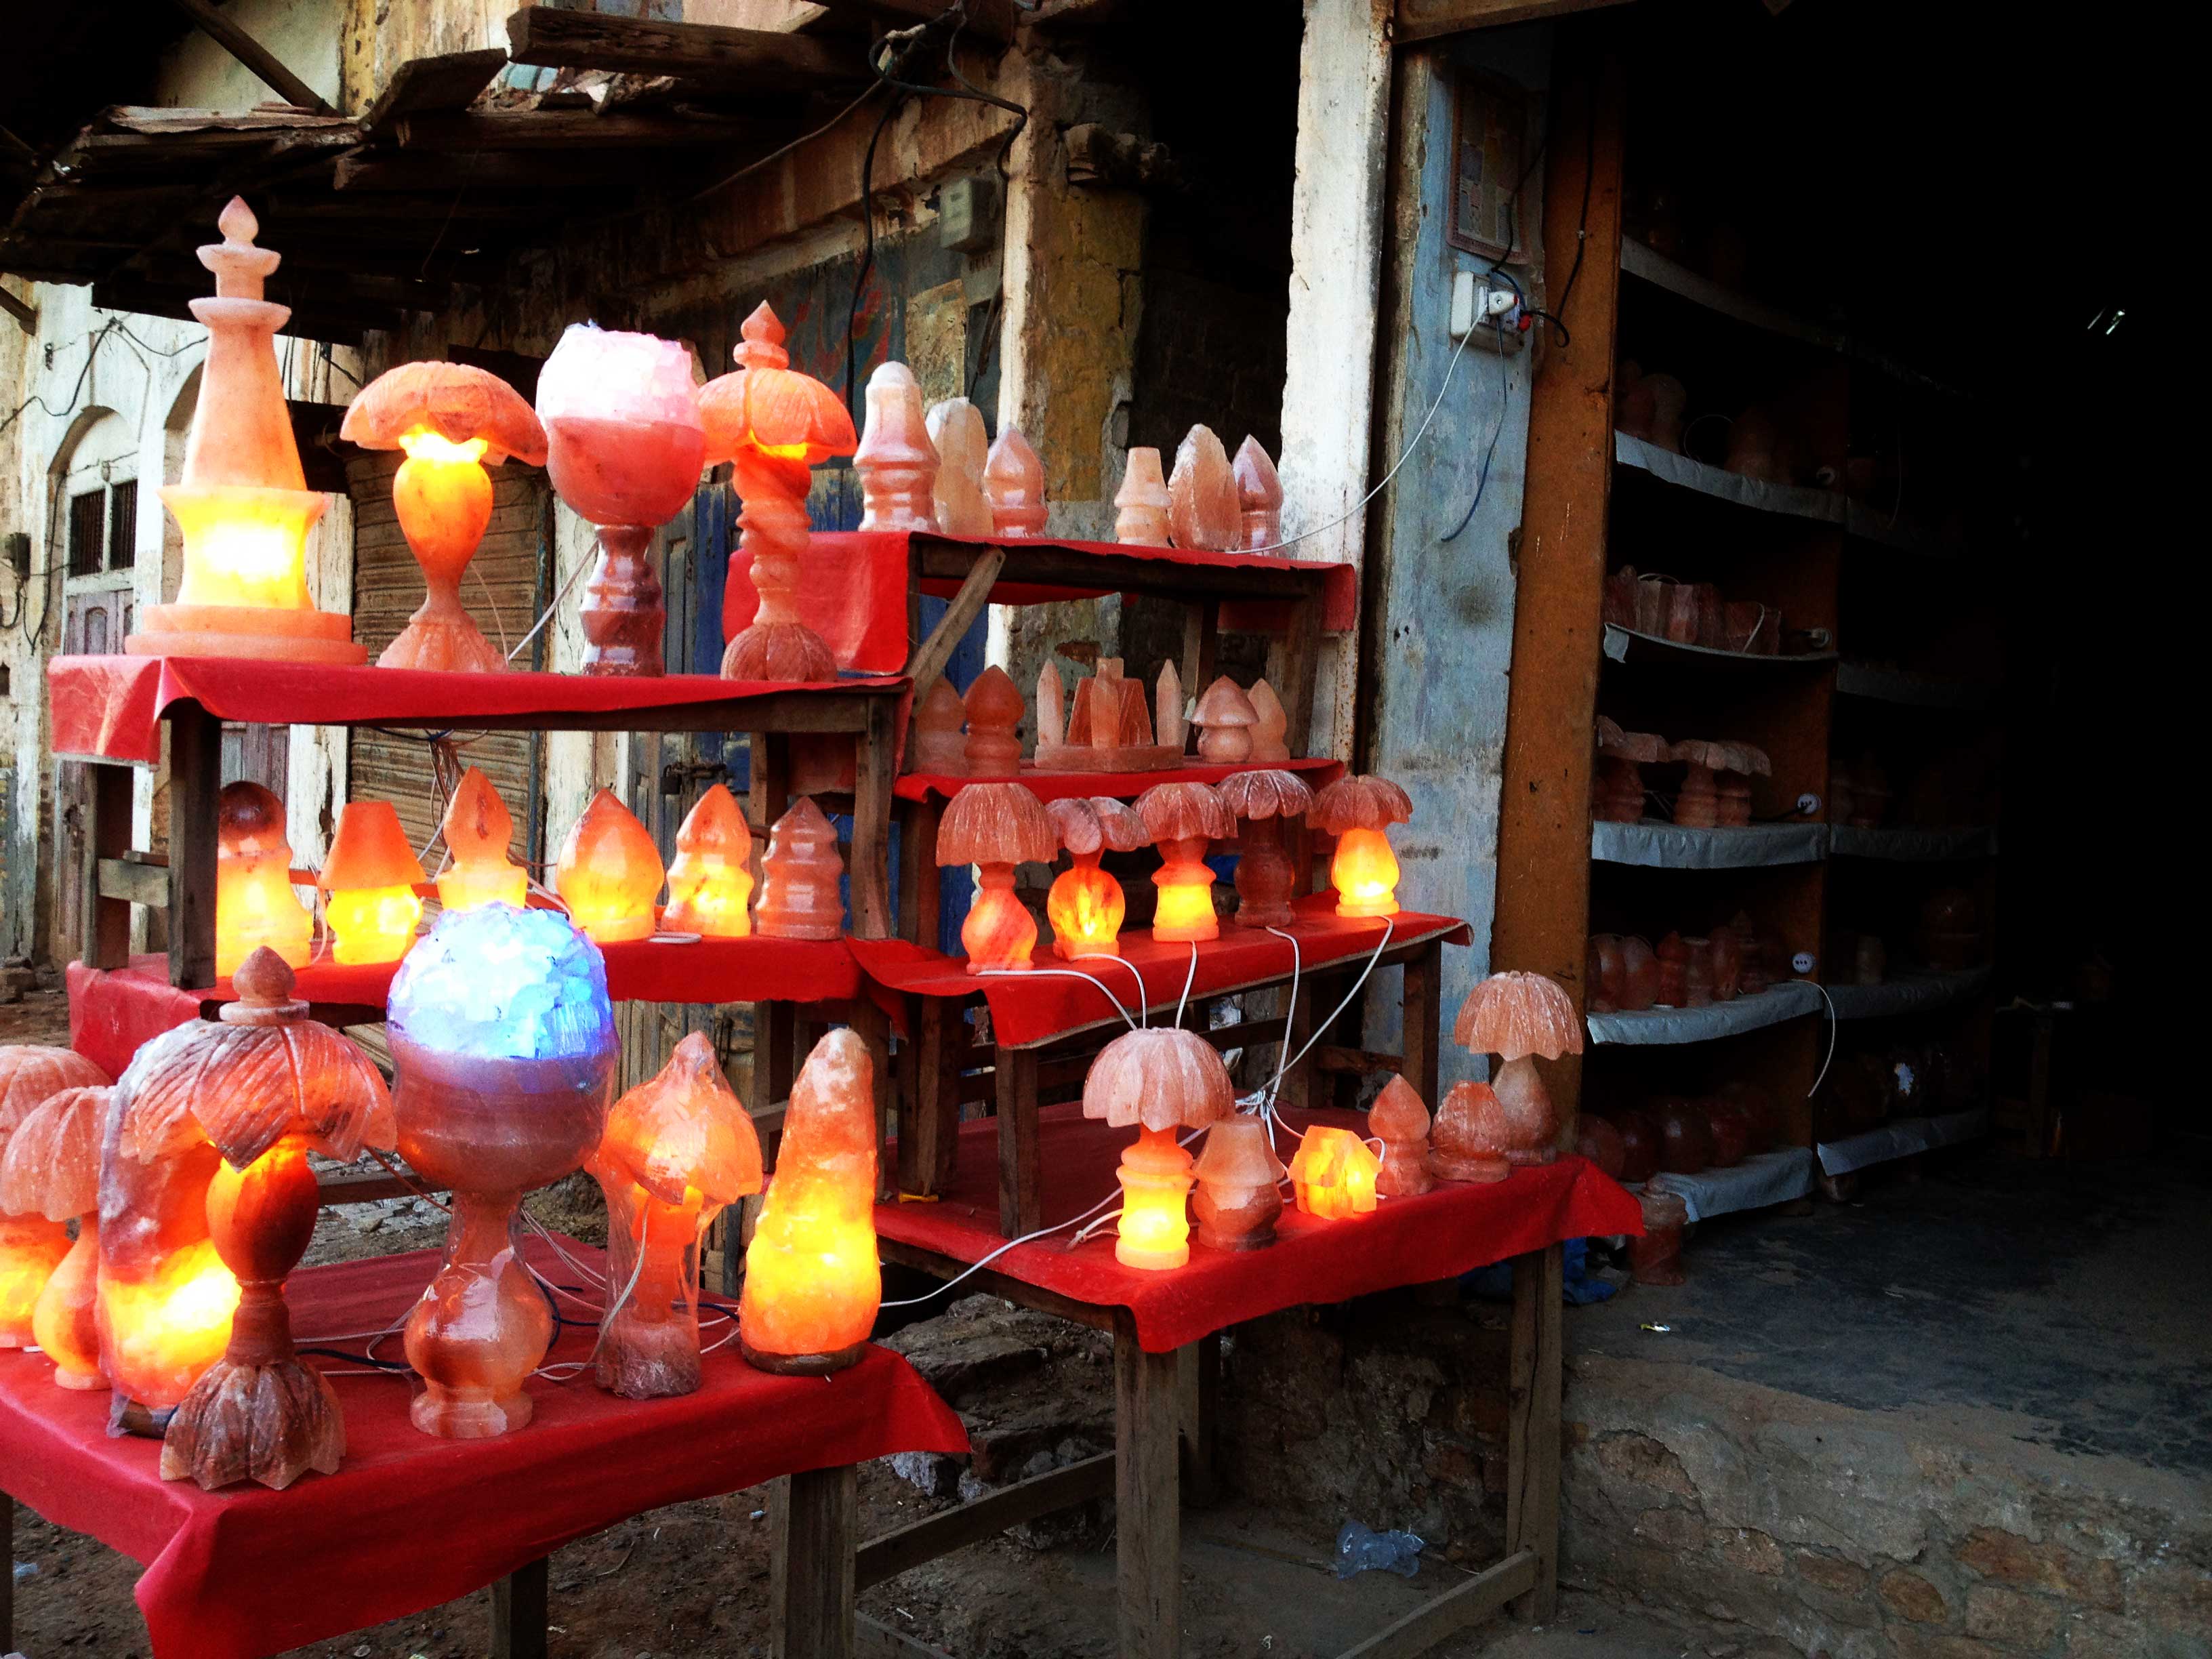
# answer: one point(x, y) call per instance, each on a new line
point(709, 53)
point(988, 20)
point(574, 130)
point(268, 118)
point(225, 32)
point(452, 82)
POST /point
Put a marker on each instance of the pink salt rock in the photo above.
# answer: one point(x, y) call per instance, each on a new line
point(1269, 724)
point(1141, 503)
point(937, 747)
point(1516, 1016)
point(896, 462)
point(799, 873)
point(1168, 723)
point(1203, 510)
point(1401, 1122)
point(1259, 496)
point(1051, 708)
point(1013, 478)
point(995, 710)
point(956, 429)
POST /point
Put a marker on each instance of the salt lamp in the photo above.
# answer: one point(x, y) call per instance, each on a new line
point(368, 884)
point(1655, 1256)
point(711, 882)
point(995, 708)
point(1698, 972)
point(503, 1052)
point(1730, 1129)
point(1237, 1200)
point(1685, 1136)
point(450, 419)
point(1333, 1174)
point(1203, 511)
point(1161, 1078)
point(1639, 1144)
point(799, 874)
point(1259, 496)
point(1013, 478)
point(477, 830)
point(242, 501)
point(812, 1284)
point(50, 1172)
point(623, 448)
point(938, 747)
point(1141, 502)
point(1264, 875)
point(678, 1150)
point(610, 872)
point(955, 427)
point(1364, 871)
point(1605, 973)
point(254, 904)
point(1673, 957)
point(1467, 1142)
point(1169, 726)
point(1597, 1140)
point(268, 1085)
point(1110, 729)
point(1639, 974)
point(1180, 819)
point(1727, 963)
point(1515, 1016)
point(896, 462)
point(1703, 802)
point(1617, 792)
point(32, 1243)
point(995, 826)
point(1085, 905)
point(1401, 1122)
point(1051, 708)
point(1224, 718)
point(1269, 725)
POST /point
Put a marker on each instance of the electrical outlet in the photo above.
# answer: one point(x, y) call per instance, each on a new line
point(1475, 304)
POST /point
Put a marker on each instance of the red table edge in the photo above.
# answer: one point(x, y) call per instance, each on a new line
point(920, 785)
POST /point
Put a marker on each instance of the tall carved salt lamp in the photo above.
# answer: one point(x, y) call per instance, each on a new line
point(1259, 496)
point(1333, 1174)
point(1617, 792)
point(478, 829)
point(1180, 819)
point(1401, 1122)
point(369, 883)
point(994, 707)
point(773, 423)
point(610, 872)
point(896, 462)
point(1515, 1016)
point(678, 1150)
point(1203, 511)
point(1269, 724)
point(51, 1172)
point(503, 1050)
point(1237, 1201)
point(1356, 810)
point(1013, 478)
point(955, 427)
point(995, 826)
point(623, 448)
point(254, 903)
point(711, 883)
point(799, 874)
point(1161, 1078)
point(1262, 800)
point(268, 1085)
point(32, 1243)
point(242, 501)
point(1224, 718)
point(1085, 905)
point(1141, 503)
point(938, 747)
point(452, 420)
point(812, 1284)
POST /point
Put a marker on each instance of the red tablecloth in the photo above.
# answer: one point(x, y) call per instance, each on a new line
point(1058, 785)
point(409, 1521)
point(1406, 1241)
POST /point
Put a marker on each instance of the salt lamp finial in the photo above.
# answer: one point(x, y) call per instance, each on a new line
point(239, 267)
point(763, 344)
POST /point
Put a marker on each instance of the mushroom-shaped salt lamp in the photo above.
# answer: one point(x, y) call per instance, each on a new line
point(477, 830)
point(254, 904)
point(623, 448)
point(1203, 511)
point(1141, 502)
point(995, 826)
point(1161, 1078)
point(1085, 905)
point(678, 1149)
point(938, 748)
point(994, 706)
point(1265, 874)
point(1401, 1122)
point(955, 427)
point(1617, 793)
point(1013, 478)
point(1364, 871)
point(368, 884)
point(896, 462)
point(504, 1053)
point(1515, 1016)
point(799, 874)
point(1716, 782)
point(32, 1242)
point(1237, 1200)
point(1333, 1174)
point(1180, 819)
point(1225, 717)
point(268, 1085)
point(50, 1172)
point(610, 872)
point(1467, 1142)
point(711, 882)
point(450, 419)
point(812, 1284)
point(1259, 496)
point(1269, 724)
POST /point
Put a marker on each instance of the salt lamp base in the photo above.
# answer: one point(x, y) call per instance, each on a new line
point(802, 1364)
point(1263, 915)
point(268, 1424)
point(468, 1414)
point(1522, 1157)
point(1446, 1167)
point(1382, 906)
point(134, 1417)
point(264, 632)
point(1166, 1260)
point(781, 652)
point(443, 646)
point(1220, 1239)
point(1082, 757)
point(641, 1361)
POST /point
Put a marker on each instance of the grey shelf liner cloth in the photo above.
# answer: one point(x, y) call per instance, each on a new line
point(1678, 847)
point(1786, 1000)
point(1762, 1179)
point(1900, 1138)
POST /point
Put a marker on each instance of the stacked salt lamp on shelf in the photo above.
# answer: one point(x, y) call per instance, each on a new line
point(1715, 787)
point(1628, 974)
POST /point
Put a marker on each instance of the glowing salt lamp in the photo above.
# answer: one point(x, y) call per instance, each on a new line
point(242, 503)
point(938, 747)
point(1203, 510)
point(51, 1172)
point(1085, 905)
point(610, 872)
point(994, 707)
point(1269, 724)
point(503, 1050)
point(955, 427)
point(799, 874)
point(1161, 1078)
point(1013, 478)
point(478, 829)
point(1141, 503)
point(1259, 496)
point(1333, 1174)
point(812, 1281)
point(712, 880)
point(995, 826)
point(1237, 1200)
point(678, 1150)
point(254, 904)
point(896, 462)
point(1515, 1016)
point(1401, 1122)
point(1225, 717)
point(369, 882)
point(452, 420)
point(1180, 819)
point(1265, 874)
point(1365, 871)
point(32, 1243)
point(774, 423)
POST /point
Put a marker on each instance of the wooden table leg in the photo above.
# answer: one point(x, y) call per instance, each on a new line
point(195, 789)
point(872, 823)
point(1021, 1191)
point(1421, 1006)
point(811, 1583)
point(517, 1614)
point(929, 1115)
point(1532, 1428)
point(8, 1585)
point(1147, 1497)
point(873, 1027)
point(1198, 1382)
point(105, 938)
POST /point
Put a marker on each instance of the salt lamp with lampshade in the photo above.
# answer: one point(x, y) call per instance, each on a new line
point(478, 829)
point(32, 1243)
point(1161, 1078)
point(1401, 1122)
point(50, 1171)
point(1180, 819)
point(711, 883)
point(799, 877)
point(254, 903)
point(1085, 905)
point(1617, 790)
point(368, 885)
point(1237, 1200)
point(610, 872)
point(1262, 800)
point(1517, 1015)
point(995, 826)
point(1356, 810)
point(1333, 1174)
point(1716, 782)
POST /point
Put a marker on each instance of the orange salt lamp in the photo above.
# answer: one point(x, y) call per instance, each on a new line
point(1225, 717)
point(938, 748)
point(955, 427)
point(33, 1244)
point(1333, 1174)
point(1401, 1122)
point(1203, 511)
point(1515, 1016)
point(610, 872)
point(678, 1150)
point(477, 830)
point(1141, 503)
point(995, 826)
point(1180, 819)
point(1013, 478)
point(1085, 905)
point(368, 881)
point(799, 874)
point(254, 904)
point(1161, 1078)
point(50, 1171)
point(712, 880)
point(896, 462)
point(1259, 497)
point(812, 1281)
point(994, 706)
point(1265, 874)
point(452, 420)
point(1365, 871)
point(1237, 1198)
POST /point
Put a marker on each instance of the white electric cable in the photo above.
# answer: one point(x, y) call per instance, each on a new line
point(1825, 1064)
point(1188, 980)
point(1109, 956)
point(1060, 973)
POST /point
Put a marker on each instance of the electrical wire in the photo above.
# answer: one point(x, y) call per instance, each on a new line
point(1188, 980)
point(1504, 398)
point(1062, 973)
point(1108, 956)
point(1830, 1061)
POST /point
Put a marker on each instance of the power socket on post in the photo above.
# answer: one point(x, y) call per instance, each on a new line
point(1476, 304)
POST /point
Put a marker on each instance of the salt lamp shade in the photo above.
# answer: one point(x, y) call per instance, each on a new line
point(31, 1073)
point(456, 403)
point(1225, 717)
point(1401, 1122)
point(610, 872)
point(995, 826)
point(1161, 1078)
point(369, 883)
point(478, 829)
point(50, 1171)
point(711, 883)
point(254, 904)
point(625, 440)
point(1333, 1174)
point(1364, 871)
point(1181, 818)
point(1086, 905)
point(799, 877)
point(767, 406)
point(1236, 1201)
point(33, 1242)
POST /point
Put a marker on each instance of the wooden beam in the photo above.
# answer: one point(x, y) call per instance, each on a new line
point(709, 54)
point(1147, 1497)
point(1426, 20)
point(493, 170)
point(26, 314)
point(966, 604)
point(1534, 1382)
point(811, 1589)
point(988, 20)
point(878, 1640)
point(576, 130)
point(1455, 1609)
point(909, 1546)
point(518, 1612)
point(226, 34)
point(450, 82)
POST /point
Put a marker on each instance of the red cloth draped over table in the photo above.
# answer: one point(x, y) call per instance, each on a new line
point(1406, 1241)
point(1058, 786)
point(410, 1521)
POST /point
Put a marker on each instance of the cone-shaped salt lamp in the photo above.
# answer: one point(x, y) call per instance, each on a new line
point(1225, 717)
point(1051, 708)
point(610, 872)
point(1085, 905)
point(994, 706)
point(799, 874)
point(1269, 724)
point(268, 1085)
point(711, 882)
point(774, 423)
point(1468, 1139)
point(1161, 1078)
point(1013, 478)
point(452, 420)
point(938, 749)
point(623, 448)
point(1716, 782)
point(1333, 1174)
point(955, 427)
point(1237, 1200)
point(51, 1172)
point(1515, 1016)
point(1168, 723)
point(243, 502)
point(1202, 506)
point(254, 904)
point(477, 830)
point(1364, 871)
point(503, 1052)
point(1401, 1122)
point(1264, 875)
point(995, 826)
point(896, 462)
point(1259, 496)
point(1617, 792)
point(32, 1243)
point(678, 1150)
point(369, 883)
point(1141, 503)
point(812, 1281)
point(1180, 819)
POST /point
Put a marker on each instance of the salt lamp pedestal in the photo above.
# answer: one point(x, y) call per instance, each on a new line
point(1085, 907)
point(1265, 877)
point(802, 1364)
point(625, 613)
point(649, 1347)
point(32, 1251)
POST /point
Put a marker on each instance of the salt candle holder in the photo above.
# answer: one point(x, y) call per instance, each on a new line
point(1013, 478)
point(1141, 503)
point(478, 829)
point(33, 1244)
point(799, 876)
point(1160, 1079)
point(1401, 1122)
point(1085, 905)
point(610, 872)
point(1237, 1201)
point(1333, 1174)
point(711, 883)
point(1358, 811)
point(254, 904)
point(1262, 801)
point(1516, 1016)
point(51, 1173)
point(1180, 819)
point(369, 883)
point(896, 462)
point(956, 429)
point(995, 826)
point(1259, 497)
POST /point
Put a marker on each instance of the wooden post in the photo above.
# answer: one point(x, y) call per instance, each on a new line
point(872, 822)
point(1147, 1516)
point(105, 942)
point(518, 1612)
point(1296, 1093)
point(815, 1517)
point(1198, 1389)
point(775, 1053)
point(1201, 633)
point(1421, 1018)
point(195, 791)
point(1532, 1425)
point(874, 1029)
point(920, 897)
point(1021, 1193)
point(929, 1113)
point(1300, 664)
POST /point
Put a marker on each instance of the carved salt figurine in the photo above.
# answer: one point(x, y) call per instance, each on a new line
point(995, 826)
point(254, 904)
point(1168, 723)
point(1013, 478)
point(1259, 497)
point(1085, 905)
point(993, 705)
point(1141, 503)
point(1358, 811)
point(1203, 511)
point(956, 429)
point(1269, 724)
point(478, 829)
point(1225, 717)
point(50, 1173)
point(1617, 792)
point(896, 462)
point(1110, 729)
point(939, 749)
point(1401, 1122)
point(1051, 709)
point(1467, 1141)
point(1237, 1201)
point(1333, 1174)
point(32, 1245)
point(1265, 874)
point(1516, 1016)
point(710, 886)
point(1180, 819)
point(368, 885)
point(1162, 1079)
point(799, 874)
point(610, 872)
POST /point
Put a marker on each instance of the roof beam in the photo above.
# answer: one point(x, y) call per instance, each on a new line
point(252, 53)
point(497, 170)
point(449, 82)
point(709, 54)
point(574, 130)
point(1428, 20)
point(988, 20)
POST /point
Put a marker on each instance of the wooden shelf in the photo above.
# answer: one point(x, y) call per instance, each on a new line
point(1791, 501)
point(1870, 524)
point(1876, 684)
point(1899, 1137)
point(1908, 992)
point(1912, 845)
point(1640, 260)
point(1762, 1179)
point(1625, 645)
point(1678, 847)
point(1669, 1027)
